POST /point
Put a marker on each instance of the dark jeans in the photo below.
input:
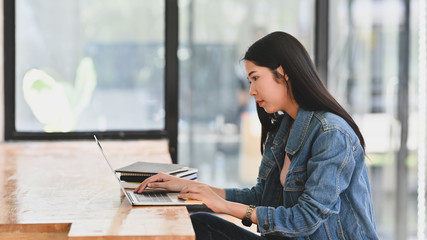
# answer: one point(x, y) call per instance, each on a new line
point(210, 227)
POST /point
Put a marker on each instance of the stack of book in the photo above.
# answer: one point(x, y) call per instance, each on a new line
point(139, 171)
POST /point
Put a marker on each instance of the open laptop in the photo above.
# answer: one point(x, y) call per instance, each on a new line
point(149, 197)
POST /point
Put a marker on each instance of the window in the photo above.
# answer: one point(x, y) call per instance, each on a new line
point(369, 42)
point(89, 65)
point(219, 130)
point(73, 68)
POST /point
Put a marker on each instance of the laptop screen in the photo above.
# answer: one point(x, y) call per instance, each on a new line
point(111, 167)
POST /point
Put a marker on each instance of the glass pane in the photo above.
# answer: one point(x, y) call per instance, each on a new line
point(94, 65)
point(219, 131)
point(364, 75)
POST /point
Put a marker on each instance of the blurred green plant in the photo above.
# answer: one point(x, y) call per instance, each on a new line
point(58, 104)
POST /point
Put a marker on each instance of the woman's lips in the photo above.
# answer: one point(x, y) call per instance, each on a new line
point(260, 102)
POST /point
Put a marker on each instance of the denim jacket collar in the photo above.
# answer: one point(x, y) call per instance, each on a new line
point(298, 132)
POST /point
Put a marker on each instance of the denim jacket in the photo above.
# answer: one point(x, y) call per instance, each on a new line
point(326, 194)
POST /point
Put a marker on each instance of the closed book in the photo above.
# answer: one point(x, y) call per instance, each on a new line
point(150, 168)
point(139, 171)
point(127, 178)
point(142, 178)
point(190, 173)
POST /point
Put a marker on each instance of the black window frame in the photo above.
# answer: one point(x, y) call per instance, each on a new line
point(170, 131)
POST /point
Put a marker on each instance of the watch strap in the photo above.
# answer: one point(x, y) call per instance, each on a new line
point(247, 219)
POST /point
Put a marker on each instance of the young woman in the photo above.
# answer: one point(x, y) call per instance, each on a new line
point(313, 181)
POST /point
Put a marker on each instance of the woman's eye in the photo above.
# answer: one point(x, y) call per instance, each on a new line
point(252, 79)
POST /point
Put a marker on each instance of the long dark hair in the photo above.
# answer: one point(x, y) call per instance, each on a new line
point(281, 49)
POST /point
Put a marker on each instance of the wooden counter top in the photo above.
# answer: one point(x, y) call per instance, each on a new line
point(56, 190)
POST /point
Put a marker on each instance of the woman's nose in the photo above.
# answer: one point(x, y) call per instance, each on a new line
point(252, 90)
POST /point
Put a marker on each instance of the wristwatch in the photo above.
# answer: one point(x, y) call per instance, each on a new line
point(247, 219)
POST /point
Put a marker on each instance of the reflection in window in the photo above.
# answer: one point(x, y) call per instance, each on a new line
point(89, 65)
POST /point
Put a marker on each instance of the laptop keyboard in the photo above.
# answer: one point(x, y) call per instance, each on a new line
point(153, 197)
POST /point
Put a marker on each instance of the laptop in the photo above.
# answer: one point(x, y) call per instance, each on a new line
point(149, 197)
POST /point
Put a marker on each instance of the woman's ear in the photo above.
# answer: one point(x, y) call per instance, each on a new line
point(281, 71)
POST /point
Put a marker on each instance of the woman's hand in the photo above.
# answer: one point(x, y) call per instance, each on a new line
point(213, 200)
point(163, 180)
point(205, 193)
point(212, 197)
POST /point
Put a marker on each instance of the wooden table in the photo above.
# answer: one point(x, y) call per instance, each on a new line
point(65, 190)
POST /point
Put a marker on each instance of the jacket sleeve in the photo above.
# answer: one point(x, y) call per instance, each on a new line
point(246, 195)
point(329, 171)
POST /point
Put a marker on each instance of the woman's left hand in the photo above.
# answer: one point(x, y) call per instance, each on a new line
point(203, 192)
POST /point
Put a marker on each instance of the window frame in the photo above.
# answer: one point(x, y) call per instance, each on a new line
point(171, 79)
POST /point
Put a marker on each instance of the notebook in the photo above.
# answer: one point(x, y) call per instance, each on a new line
point(151, 168)
point(139, 171)
point(148, 197)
